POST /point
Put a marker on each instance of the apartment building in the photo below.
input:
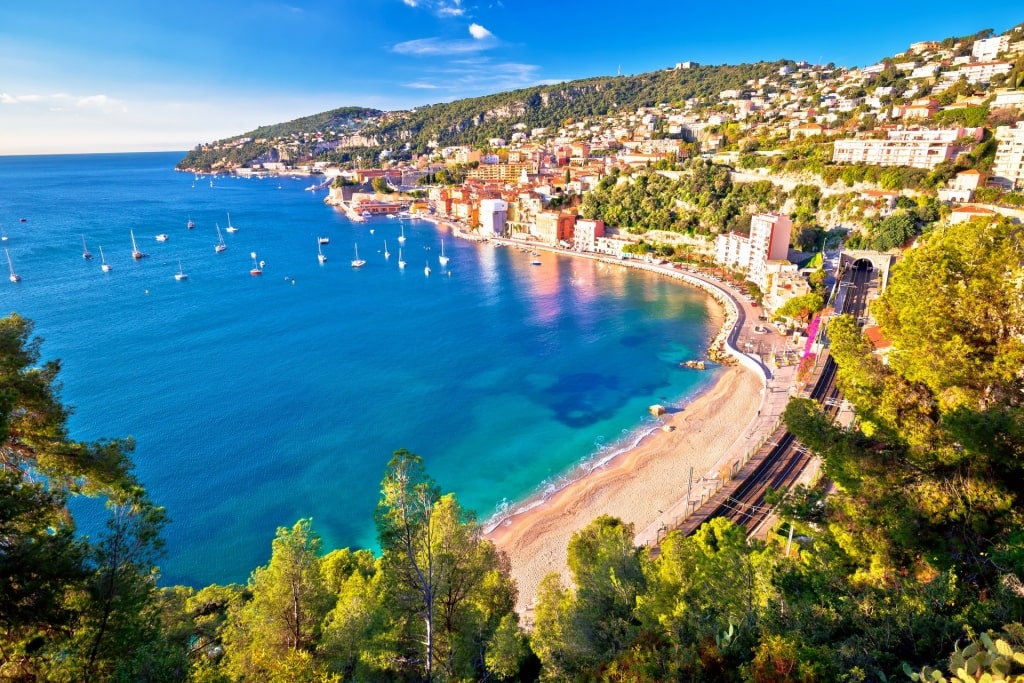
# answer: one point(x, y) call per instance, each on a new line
point(768, 241)
point(1008, 168)
point(914, 148)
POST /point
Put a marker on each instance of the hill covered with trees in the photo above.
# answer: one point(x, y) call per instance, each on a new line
point(473, 121)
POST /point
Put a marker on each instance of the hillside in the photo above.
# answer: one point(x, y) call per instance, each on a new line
point(342, 134)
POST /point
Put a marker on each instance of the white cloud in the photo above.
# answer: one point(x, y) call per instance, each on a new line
point(437, 46)
point(479, 32)
point(410, 3)
point(450, 12)
point(421, 85)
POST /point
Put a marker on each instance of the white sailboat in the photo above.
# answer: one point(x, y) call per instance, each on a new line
point(442, 258)
point(387, 254)
point(3, 235)
point(220, 246)
point(401, 263)
point(426, 269)
point(320, 252)
point(230, 227)
point(136, 254)
point(14, 277)
point(191, 223)
point(358, 262)
point(401, 238)
point(180, 275)
point(104, 266)
point(85, 250)
point(257, 267)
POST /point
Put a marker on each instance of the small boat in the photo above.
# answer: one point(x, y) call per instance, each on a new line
point(13, 277)
point(211, 183)
point(320, 252)
point(367, 214)
point(358, 262)
point(136, 254)
point(191, 223)
point(104, 266)
point(401, 263)
point(442, 258)
point(426, 269)
point(3, 235)
point(323, 240)
point(371, 231)
point(85, 250)
point(230, 227)
point(257, 267)
point(220, 246)
point(401, 238)
point(162, 237)
point(387, 254)
point(23, 220)
point(535, 261)
point(180, 275)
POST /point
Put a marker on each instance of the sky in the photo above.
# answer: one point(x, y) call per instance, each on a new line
point(120, 75)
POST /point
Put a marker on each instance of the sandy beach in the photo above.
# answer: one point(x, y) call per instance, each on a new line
point(636, 486)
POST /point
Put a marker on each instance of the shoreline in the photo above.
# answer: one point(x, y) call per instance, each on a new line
point(657, 480)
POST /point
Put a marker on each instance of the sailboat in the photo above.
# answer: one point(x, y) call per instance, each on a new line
point(14, 277)
point(220, 246)
point(442, 258)
point(136, 254)
point(426, 269)
point(401, 238)
point(180, 275)
point(85, 249)
point(257, 268)
point(230, 227)
point(3, 235)
point(104, 266)
point(401, 263)
point(191, 223)
point(358, 262)
point(387, 254)
point(320, 252)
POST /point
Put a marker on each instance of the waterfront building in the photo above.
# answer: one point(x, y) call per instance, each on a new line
point(768, 241)
point(585, 234)
point(493, 217)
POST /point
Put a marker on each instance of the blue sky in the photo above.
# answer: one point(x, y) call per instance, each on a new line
point(104, 75)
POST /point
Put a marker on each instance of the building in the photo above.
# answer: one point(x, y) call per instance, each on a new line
point(493, 216)
point(586, 234)
point(914, 148)
point(982, 72)
point(962, 214)
point(768, 241)
point(1008, 168)
point(988, 49)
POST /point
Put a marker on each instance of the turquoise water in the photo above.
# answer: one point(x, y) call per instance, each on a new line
point(259, 400)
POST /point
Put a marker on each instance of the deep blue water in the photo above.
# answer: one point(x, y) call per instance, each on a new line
point(259, 400)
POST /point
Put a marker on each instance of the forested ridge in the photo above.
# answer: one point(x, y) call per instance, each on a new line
point(906, 562)
point(473, 121)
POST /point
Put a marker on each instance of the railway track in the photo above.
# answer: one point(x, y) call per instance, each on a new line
point(781, 461)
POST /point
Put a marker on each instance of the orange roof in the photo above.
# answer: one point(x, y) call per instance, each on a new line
point(969, 171)
point(977, 210)
point(873, 333)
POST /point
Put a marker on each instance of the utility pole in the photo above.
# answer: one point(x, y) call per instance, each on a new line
point(689, 486)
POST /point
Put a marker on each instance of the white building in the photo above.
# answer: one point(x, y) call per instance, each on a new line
point(493, 216)
point(768, 241)
point(1008, 168)
point(987, 49)
point(914, 148)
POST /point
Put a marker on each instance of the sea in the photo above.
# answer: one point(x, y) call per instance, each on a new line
point(255, 401)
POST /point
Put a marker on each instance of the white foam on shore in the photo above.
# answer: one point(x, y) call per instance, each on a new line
point(604, 454)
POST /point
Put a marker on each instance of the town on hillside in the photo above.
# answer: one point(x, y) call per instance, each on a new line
point(752, 182)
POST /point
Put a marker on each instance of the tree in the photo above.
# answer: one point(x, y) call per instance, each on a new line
point(801, 308)
point(288, 603)
point(380, 185)
point(577, 630)
point(448, 589)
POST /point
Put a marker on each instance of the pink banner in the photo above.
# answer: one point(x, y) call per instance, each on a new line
point(812, 332)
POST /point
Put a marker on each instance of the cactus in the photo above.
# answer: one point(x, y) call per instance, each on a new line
point(989, 658)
